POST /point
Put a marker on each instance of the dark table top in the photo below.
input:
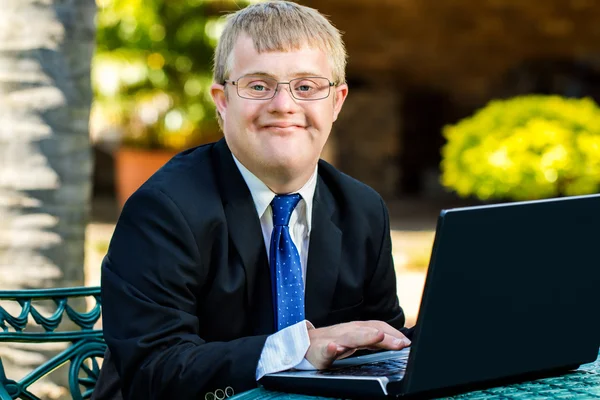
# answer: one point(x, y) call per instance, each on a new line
point(581, 384)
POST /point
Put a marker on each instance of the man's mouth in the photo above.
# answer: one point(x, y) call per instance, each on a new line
point(282, 125)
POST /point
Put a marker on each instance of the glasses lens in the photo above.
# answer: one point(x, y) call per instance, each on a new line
point(310, 88)
point(256, 87)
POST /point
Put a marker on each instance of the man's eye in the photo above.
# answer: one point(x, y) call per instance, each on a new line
point(258, 88)
point(305, 86)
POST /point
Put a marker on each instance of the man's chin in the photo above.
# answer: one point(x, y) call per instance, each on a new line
point(281, 164)
point(286, 164)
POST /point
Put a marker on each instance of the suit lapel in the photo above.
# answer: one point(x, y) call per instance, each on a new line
point(324, 255)
point(246, 236)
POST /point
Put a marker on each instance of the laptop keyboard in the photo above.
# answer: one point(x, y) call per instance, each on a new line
point(395, 366)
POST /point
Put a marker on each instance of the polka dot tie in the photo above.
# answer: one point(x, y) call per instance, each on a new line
point(286, 270)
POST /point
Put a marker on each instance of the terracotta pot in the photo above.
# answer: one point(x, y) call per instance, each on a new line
point(134, 166)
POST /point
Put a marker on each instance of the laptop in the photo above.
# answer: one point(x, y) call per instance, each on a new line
point(511, 294)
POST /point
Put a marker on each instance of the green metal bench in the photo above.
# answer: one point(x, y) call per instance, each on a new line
point(87, 344)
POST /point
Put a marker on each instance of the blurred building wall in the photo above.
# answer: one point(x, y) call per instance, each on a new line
point(416, 65)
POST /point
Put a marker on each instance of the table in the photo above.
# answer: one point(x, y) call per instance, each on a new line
point(578, 385)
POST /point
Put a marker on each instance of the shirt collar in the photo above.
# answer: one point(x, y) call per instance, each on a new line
point(263, 196)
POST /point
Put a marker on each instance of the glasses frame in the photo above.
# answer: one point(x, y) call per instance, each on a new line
point(237, 90)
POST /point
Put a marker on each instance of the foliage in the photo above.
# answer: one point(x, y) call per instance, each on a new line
point(152, 70)
point(524, 148)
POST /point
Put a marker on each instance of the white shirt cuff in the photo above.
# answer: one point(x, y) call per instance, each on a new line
point(305, 365)
point(284, 350)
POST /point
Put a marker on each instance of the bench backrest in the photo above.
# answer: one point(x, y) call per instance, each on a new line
point(84, 353)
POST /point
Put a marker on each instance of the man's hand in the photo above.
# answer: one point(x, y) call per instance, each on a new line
point(338, 341)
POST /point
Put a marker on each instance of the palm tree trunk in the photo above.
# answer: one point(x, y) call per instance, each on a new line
point(45, 156)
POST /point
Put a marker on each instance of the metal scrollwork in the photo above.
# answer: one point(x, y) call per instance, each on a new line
point(85, 369)
point(87, 343)
point(17, 323)
point(84, 320)
point(48, 323)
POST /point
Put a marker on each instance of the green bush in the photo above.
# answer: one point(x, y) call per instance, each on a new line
point(524, 148)
point(152, 69)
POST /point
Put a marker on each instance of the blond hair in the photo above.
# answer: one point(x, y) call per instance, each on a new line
point(280, 26)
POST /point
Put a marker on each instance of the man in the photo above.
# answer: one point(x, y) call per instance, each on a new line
point(251, 256)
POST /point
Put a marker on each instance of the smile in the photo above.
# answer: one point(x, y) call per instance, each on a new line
point(283, 128)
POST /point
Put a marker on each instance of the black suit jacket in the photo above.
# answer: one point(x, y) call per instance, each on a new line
point(186, 292)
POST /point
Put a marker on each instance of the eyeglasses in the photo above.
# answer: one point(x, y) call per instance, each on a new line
point(265, 88)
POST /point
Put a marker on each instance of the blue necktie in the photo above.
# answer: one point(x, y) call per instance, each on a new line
point(286, 270)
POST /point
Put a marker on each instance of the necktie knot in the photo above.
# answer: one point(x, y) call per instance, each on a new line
point(282, 206)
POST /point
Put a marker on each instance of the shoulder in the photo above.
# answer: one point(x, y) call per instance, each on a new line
point(188, 170)
point(186, 183)
point(352, 196)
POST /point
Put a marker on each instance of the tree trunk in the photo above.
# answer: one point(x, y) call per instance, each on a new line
point(45, 155)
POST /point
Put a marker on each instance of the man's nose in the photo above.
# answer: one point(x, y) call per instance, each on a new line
point(283, 99)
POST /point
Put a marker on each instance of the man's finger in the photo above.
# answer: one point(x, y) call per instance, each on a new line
point(388, 343)
point(393, 343)
point(330, 351)
point(383, 326)
point(344, 354)
point(360, 338)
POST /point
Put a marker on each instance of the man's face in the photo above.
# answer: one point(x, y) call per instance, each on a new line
point(281, 136)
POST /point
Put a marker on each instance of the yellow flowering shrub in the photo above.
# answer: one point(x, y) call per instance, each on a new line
point(523, 148)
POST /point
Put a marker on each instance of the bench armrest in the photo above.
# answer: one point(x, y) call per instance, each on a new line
point(4, 394)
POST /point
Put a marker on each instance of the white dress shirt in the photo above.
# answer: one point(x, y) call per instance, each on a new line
point(286, 348)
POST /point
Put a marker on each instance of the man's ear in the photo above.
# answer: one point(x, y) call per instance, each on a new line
point(217, 92)
point(340, 94)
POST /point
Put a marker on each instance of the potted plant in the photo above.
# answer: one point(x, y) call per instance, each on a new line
point(151, 75)
point(523, 148)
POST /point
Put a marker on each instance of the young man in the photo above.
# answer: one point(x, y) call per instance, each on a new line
point(251, 256)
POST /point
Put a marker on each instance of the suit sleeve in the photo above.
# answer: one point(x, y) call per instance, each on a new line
point(381, 299)
point(152, 282)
